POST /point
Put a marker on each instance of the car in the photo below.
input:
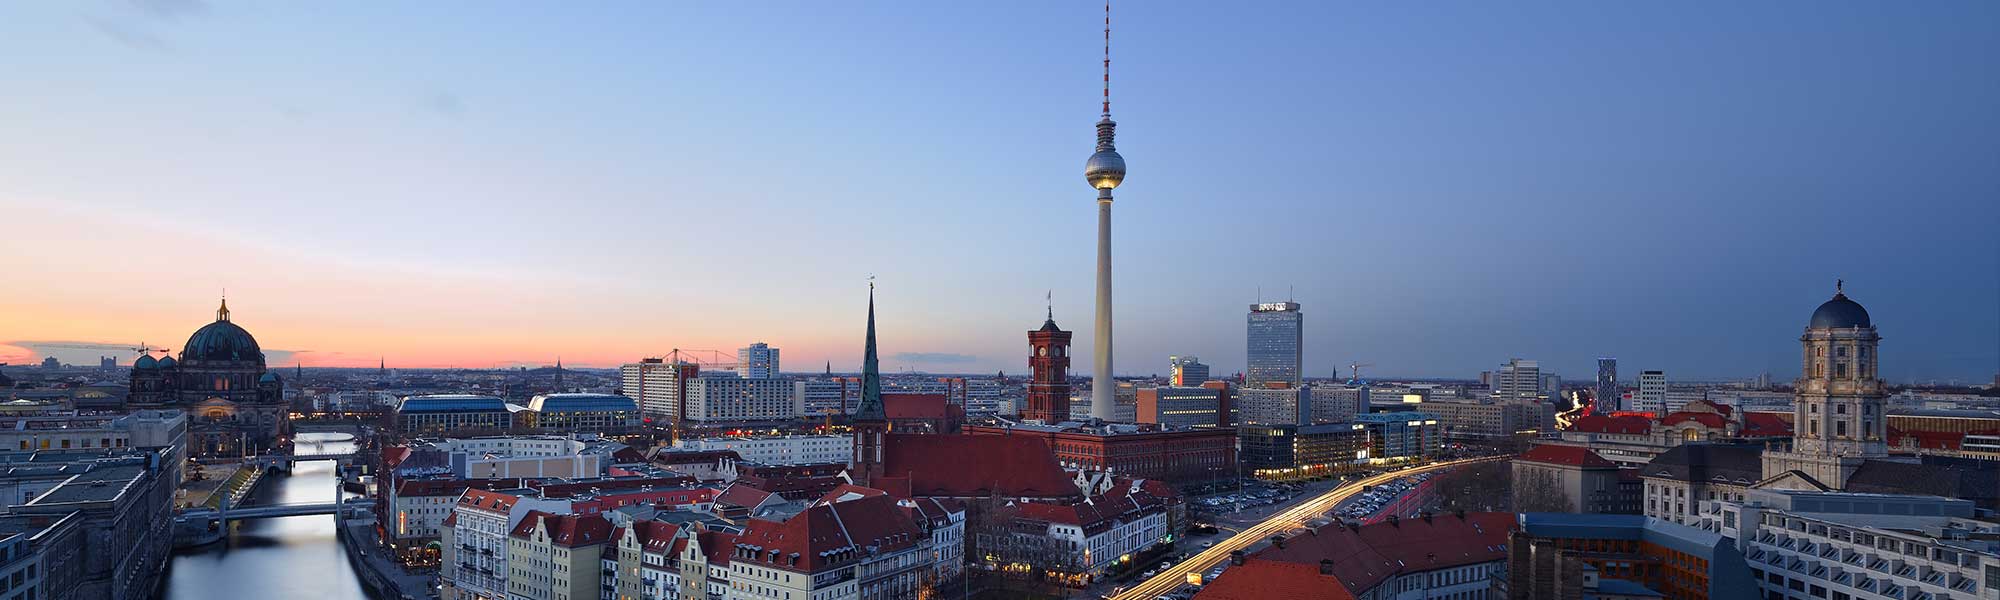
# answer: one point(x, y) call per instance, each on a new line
point(1166, 565)
point(1207, 545)
point(1146, 575)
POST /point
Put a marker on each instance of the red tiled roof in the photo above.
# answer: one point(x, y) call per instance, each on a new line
point(1621, 424)
point(1575, 456)
point(486, 500)
point(393, 455)
point(1270, 580)
point(1710, 420)
point(976, 466)
point(716, 546)
point(849, 488)
point(565, 530)
point(913, 406)
point(1364, 558)
point(566, 490)
point(669, 456)
point(652, 536)
point(450, 487)
point(829, 535)
point(1767, 424)
point(743, 495)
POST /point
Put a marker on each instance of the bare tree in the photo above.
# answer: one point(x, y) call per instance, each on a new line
point(1539, 490)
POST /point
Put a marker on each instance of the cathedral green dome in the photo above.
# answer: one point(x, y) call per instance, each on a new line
point(222, 341)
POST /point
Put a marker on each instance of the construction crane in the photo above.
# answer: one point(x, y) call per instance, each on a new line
point(1354, 372)
point(717, 359)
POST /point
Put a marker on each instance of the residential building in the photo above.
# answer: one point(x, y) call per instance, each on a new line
point(659, 387)
point(1177, 407)
point(1842, 546)
point(1275, 406)
point(777, 449)
point(758, 361)
point(718, 398)
point(1276, 335)
point(555, 557)
point(1186, 371)
point(1076, 541)
point(443, 414)
point(869, 547)
point(1550, 555)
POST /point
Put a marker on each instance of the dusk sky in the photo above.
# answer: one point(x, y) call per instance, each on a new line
point(1442, 185)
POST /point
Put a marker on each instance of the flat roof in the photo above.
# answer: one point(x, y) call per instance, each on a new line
point(102, 484)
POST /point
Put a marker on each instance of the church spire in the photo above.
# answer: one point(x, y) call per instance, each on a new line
point(222, 313)
point(870, 408)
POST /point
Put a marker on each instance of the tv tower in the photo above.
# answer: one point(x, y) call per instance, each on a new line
point(1105, 170)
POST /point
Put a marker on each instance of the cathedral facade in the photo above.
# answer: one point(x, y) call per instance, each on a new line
point(235, 406)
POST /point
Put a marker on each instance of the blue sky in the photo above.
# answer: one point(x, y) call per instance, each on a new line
point(1441, 185)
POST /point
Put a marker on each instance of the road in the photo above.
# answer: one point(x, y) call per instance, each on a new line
point(1297, 516)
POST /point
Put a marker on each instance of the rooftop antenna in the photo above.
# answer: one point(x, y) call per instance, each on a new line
point(1051, 297)
point(1288, 292)
point(1107, 58)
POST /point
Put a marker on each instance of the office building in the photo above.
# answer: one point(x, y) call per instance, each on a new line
point(1844, 546)
point(1275, 406)
point(659, 387)
point(1185, 407)
point(1607, 392)
point(571, 456)
point(777, 449)
point(1298, 451)
point(1551, 556)
point(1486, 421)
point(723, 398)
point(1337, 403)
point(1652, 395)
point(1186, 371)
point(1276, 346)
point(1401, 435)
point(758, 361)
point(1522, 381)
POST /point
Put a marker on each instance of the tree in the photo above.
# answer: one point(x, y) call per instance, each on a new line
point(1538, 489)
point(1478, 487)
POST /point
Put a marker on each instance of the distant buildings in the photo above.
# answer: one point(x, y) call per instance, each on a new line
point(583, 413)
point(1608, 393)
point(1276, 334)
point(777, 449)
point(659, 387)
point(1487, 421)
point(1523, 381)
point(1287, 451)
point(1179, 407)
point(722, 398)
point(1652, 396)
point(1186, 371)
point(758, 361)
point(1275, 406)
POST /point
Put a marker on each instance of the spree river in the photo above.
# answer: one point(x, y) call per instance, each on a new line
point(291, 557)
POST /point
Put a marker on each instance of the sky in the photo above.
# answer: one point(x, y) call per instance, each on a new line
point(1441, 185)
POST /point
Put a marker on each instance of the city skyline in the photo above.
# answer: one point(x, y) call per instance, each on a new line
point(1675, 217)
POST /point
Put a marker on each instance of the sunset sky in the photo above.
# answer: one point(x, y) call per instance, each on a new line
point(1441, 185)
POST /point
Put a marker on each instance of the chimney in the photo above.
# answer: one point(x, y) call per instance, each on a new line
point(1236, 558)
point(1326, 566)
point(1279, 541)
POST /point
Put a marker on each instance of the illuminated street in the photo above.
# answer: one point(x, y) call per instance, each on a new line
point(1175, 577)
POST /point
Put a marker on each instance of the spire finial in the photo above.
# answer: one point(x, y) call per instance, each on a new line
point(1051, 297)
point(1107, 59)
point(222, 312)
point(1838, 285)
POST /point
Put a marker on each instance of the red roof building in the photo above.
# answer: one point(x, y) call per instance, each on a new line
point(1431, 551)
point(1269, 579)
point(972, 466)
point(1182, 457)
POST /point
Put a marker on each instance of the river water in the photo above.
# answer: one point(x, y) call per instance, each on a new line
point(291, 557)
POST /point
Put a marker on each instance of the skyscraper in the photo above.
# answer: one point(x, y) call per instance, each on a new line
point(1276, 341)
point(1048, 359)
point(1105, 170)
point(1187, 371)
point(1607, 385)
point(1652, 395)
point(758, 361)
point(1520, 380)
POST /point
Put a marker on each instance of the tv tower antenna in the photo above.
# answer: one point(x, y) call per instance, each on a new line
point(1107, 58)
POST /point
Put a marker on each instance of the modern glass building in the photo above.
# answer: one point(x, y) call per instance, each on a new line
point(1607, 385)
point(1276, 343)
